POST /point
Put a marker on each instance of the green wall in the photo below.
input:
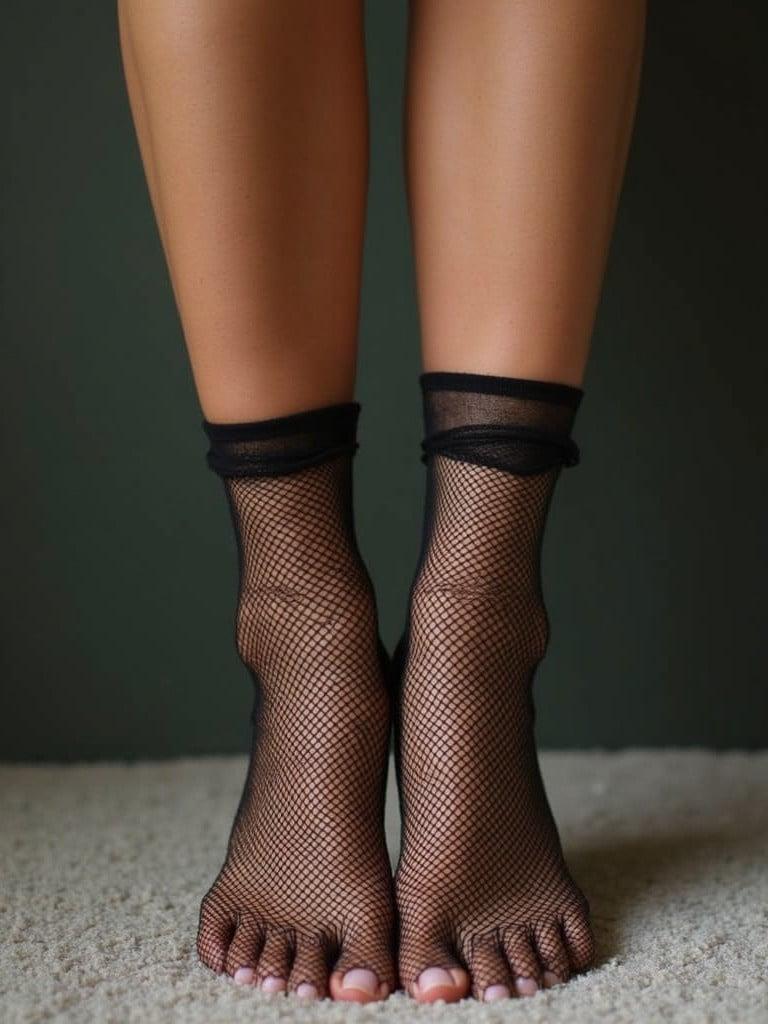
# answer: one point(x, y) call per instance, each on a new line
point(118, 567)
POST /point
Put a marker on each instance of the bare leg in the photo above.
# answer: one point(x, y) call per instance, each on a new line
point(519, 118)
point(252, 121)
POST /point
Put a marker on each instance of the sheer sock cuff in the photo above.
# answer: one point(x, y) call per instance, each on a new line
point(520, 426)
point(286, 444)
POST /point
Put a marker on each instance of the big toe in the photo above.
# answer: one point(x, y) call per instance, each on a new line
point(358, 985)
point(447, 983)
point(365, 970)
point(429, 970)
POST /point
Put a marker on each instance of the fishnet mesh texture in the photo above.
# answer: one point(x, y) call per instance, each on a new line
point(306, 884)
point(481, 880)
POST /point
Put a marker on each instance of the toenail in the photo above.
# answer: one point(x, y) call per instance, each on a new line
point(243, 976)
point(526, 987)
point(551, 979)
point(435, 977)
point(272, 985)
point(306, 991)
point(361, 979)
point(494, 992)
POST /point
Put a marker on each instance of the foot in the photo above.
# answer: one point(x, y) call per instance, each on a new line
point(486, 902)
point(303, 903)
point(485, 899)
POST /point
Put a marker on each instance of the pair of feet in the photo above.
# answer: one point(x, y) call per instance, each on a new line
point(305, 904)
point(482, 901)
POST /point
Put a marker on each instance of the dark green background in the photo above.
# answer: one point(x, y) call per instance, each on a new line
point(118, 570)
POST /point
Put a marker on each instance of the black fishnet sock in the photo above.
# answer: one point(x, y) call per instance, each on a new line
point(481, 880)
point(306, 887)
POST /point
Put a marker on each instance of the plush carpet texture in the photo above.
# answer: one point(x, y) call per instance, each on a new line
point(102, 868)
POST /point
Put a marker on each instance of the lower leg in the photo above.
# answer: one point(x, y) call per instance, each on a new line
point(519, 118)
point(252, 123)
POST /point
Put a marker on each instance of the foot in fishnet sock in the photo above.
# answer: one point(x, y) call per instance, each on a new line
point(304, 903)
point(484, 896)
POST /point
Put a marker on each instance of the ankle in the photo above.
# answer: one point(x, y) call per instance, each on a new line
point(320, 612)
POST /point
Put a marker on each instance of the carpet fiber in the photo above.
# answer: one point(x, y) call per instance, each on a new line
point(102, 868)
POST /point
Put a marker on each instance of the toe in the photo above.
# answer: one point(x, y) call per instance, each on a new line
point(553, 957)
point(243, 953)
point(495, 992)
point(450, 983)
point(523, 963)
point(309, 974)
point(428, 968)
point(488, 970)
point(307, 991)
point(364, 971)
point(274, 964)
point(358, 985)
point(272, 985)
point(214, 933)
point(579, 940)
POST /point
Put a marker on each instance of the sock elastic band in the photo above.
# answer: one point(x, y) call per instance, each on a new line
point(284, 444)
point(511, 387)
point(508, 423)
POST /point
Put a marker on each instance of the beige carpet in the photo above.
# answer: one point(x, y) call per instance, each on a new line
point(102, 868)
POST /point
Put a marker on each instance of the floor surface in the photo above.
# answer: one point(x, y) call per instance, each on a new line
point(102, 868)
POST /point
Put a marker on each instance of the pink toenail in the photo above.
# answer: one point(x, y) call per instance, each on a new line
point(494, 992)
point(272, 985)
point(526, 987)
point(435, 977)
point(551, 979)
point(306, 991)
point(243, 976)
point(362, 980)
